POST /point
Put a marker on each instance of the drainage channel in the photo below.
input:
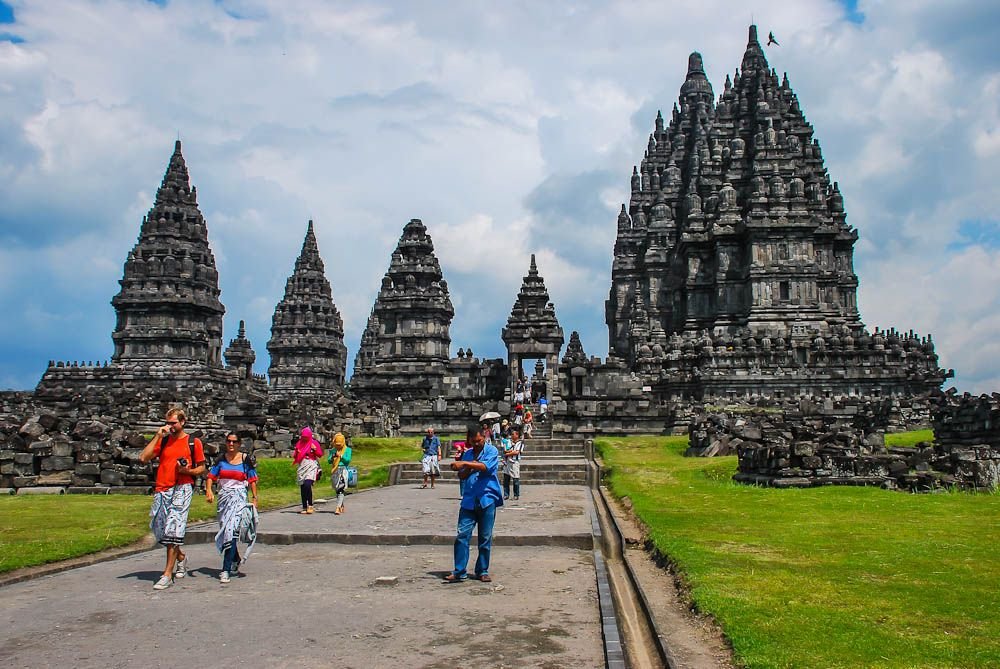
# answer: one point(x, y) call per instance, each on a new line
point(630, 637)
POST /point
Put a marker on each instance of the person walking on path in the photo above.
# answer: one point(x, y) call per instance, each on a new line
point(482, 496)
point(431, 461)
point(512, 465)
point(182, 458)
point(306, 455)
point(340, 459)
point(235, 475)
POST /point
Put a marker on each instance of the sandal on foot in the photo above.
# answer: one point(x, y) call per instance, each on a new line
point(454, 578)
point(485, 578)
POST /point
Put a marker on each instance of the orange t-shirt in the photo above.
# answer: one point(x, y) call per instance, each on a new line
point(166, 474)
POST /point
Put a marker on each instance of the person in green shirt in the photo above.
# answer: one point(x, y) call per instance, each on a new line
point(340, 459)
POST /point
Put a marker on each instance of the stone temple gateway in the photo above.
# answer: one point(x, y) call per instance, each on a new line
point(732, 279)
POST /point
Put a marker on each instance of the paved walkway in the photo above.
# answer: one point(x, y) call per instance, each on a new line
point(552, 515)
point(317, 604)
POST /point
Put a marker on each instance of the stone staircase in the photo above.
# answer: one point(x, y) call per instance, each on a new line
point(545, 461)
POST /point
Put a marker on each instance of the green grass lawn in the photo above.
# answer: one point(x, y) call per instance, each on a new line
point(46, 528)
point(909, 438)
point(822, 577)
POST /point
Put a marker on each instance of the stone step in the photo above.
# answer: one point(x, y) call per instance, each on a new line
point(564, 471)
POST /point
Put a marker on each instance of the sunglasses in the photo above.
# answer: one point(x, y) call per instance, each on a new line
point(173, 422)
point(232, 441)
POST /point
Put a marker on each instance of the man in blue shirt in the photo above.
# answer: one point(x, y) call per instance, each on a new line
point(480, 499)
point(430, 463)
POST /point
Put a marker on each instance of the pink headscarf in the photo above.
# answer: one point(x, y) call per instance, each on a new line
point(303, 445)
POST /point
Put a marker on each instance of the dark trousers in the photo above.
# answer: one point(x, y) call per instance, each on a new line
point(506, 486)
point(231, 556)
point(306, 490)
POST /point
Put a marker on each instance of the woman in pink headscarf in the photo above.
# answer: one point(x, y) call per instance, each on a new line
point(306, 455)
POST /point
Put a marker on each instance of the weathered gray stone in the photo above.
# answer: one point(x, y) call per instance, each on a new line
point(112, 477)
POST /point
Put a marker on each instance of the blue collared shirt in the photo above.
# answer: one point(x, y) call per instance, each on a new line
point(431, 445)
point(482, 488)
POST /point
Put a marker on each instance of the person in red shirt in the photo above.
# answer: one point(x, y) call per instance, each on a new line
point(182, 458)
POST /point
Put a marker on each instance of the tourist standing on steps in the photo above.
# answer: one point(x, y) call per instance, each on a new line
point(182, 458)
point(478, 467)
point(512, 464)
point(529, 423)
point(306, 455)
point(543, 408)
point(431, 461)
point(235, 475)
point(340, 459)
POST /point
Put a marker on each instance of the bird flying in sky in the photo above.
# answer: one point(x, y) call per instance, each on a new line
point(771, 40)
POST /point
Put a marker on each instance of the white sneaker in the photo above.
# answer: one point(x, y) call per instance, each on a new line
point(164, 583)
point(224, 577)
point(180, 568)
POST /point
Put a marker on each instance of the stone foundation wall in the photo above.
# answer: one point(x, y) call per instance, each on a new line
point(846, 445)
point(80, 448)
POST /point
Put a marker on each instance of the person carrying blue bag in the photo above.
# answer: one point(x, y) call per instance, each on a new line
point(340, 460)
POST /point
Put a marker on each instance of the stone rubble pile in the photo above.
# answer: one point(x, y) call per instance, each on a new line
point(967, 437)
point(809, 447)
point(42, 447)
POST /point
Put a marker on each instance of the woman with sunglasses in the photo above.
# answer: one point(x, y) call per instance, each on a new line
point(235, 476)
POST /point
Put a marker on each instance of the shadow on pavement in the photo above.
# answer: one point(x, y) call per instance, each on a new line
point(150, 576)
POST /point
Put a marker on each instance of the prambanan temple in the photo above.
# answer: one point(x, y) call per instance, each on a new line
point(732, 279)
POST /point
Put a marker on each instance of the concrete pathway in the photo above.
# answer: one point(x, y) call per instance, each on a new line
point(552, 515)
point(317, 603)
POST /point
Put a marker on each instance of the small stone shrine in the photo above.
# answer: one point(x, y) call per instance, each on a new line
point(308, 355)
point(532, 331)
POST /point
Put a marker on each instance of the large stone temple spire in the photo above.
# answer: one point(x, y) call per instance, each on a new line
point(308, 356)
point(405, 346)
point(168, 309)
point(733, 222)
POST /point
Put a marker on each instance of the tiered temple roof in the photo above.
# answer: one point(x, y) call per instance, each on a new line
point(168, 309)
point(532, 322)
point(240, 354)
point(405, 347)
point(308, 356)
point(733, 222)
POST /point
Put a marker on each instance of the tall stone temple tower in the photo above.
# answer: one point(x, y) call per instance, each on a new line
point(308, 355)
point(405, 346)
point(168, 309)
point(733, 223)
point(533, 331)
point(733, 270)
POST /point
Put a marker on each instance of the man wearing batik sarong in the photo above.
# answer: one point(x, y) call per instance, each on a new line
point(234, 476)
point(182, 458)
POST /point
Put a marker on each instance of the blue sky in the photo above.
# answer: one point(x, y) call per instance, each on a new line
point(508, 128)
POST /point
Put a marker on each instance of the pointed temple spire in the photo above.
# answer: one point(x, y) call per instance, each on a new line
point(533, 331)
point(575, 354)
point(240, 354)
point(406, 345)
point(745, 184)
point(168, 307)
point(308, 355)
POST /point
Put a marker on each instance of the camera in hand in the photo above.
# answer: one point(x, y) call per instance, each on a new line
point(182, 462)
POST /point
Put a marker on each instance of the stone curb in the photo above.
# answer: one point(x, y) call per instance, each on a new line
point(663, 651)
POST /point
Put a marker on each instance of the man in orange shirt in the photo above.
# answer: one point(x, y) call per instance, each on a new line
point(182, 458)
